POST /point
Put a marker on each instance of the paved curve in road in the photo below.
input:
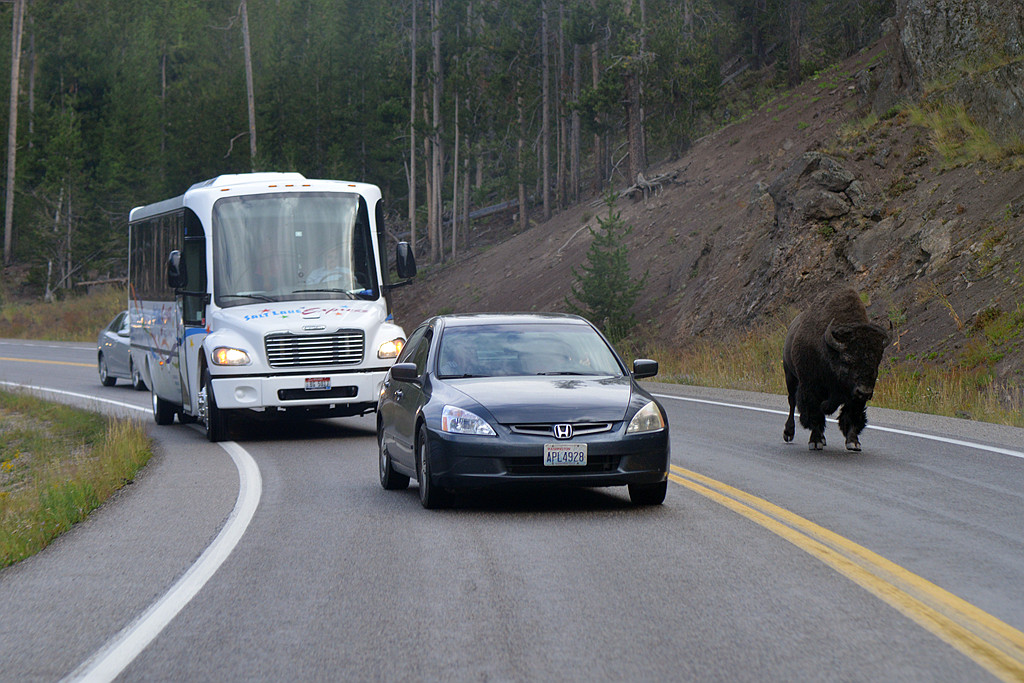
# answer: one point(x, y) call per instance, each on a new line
point(767, 561)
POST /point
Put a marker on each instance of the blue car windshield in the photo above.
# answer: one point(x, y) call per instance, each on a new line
point(531, 349)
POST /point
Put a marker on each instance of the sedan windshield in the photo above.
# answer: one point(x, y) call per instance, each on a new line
point(292, 246)
point(536, 349)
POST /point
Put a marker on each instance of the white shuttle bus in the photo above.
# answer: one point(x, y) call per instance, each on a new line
point(263, 292)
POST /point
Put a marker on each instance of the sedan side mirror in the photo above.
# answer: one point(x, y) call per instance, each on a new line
point(405, 261)
point(643, 368)
point(405, 372)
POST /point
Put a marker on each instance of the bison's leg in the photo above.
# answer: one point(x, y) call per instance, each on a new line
point(852, 419)
point(813, 418)
point(792, 383)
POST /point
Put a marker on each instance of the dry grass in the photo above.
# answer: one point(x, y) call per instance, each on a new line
point(76, 318)
point(754, 363)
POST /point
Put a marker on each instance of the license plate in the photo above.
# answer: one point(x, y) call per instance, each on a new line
point(565, 454)
point(318, 383)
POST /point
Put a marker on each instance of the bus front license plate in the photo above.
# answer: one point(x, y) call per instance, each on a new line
point(565, 454)
point(318, 383)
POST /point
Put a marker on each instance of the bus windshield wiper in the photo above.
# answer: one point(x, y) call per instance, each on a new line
point(347, 293)
point(248, 295)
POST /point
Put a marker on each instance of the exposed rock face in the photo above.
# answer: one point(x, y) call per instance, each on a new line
point(976, 46)
point(940, 36)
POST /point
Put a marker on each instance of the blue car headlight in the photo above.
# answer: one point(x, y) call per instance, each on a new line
point(647, 419)
point(458, 421)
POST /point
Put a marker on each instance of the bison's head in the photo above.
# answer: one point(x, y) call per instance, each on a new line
point(855, 353)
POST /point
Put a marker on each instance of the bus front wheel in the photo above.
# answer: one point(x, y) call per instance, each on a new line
point(214, 419)
point(163, 411)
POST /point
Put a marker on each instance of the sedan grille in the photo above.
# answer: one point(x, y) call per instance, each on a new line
point(596, 464)
point(344, 347)
point(548, 429)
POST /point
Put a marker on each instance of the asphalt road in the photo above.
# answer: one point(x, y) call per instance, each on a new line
point(767, 561)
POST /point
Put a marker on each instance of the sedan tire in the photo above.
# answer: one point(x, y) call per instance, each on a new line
point(389, 478)
point(648, 494)
point(137, 382)
point(106, 379)
point(431, 496)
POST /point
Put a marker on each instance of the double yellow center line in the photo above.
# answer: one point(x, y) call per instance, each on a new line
point(988, 641)
point(48, 362)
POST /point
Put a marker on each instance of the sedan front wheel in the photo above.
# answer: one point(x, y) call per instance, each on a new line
point(648, 494)
point(431, 496)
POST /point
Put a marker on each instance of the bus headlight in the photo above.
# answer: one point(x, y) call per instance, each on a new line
point(223, 355)
point(391, 349)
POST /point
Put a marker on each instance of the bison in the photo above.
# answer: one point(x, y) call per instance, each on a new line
point(831, 358)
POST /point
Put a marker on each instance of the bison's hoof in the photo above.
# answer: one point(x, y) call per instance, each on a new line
point(787, 437)
point(853, 445)
point(816, 445)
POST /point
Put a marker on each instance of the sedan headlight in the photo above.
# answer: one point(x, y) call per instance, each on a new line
point(647, 419)
point(223, 355)
point(391, 349)
point(458, 421)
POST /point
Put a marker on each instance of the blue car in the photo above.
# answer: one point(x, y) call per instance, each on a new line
point(484, 400)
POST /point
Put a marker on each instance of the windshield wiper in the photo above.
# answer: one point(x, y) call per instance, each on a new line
point(563, 372)
point(465, 376)
point(248, 295)
point(347, 293)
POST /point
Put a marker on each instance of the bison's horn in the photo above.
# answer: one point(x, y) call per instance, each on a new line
point(831, 340)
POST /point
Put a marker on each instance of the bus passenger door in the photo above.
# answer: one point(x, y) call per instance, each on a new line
point(191, 299)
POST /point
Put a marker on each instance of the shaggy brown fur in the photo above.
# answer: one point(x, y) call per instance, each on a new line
point(831, 359)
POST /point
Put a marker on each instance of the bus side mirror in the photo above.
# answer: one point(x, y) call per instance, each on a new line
point(405, 261)
point(176, 273)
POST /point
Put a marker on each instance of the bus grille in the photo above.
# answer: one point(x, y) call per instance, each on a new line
point(344, 347)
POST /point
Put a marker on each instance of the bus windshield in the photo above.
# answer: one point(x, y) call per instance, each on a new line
point(291, 246)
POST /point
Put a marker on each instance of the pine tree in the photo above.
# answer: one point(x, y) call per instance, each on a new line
point(605, 287)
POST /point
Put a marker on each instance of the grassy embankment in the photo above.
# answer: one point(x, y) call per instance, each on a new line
point(58, 463)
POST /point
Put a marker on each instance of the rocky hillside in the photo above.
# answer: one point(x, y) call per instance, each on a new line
point(865, 175)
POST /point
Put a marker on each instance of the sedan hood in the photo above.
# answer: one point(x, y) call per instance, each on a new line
point(518, 400)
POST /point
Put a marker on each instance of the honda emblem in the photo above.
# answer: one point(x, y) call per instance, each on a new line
point(562, 431)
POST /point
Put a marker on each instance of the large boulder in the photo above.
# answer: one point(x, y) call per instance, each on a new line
point(813, 188)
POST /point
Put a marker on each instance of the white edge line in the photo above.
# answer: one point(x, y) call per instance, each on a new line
point(115, 656)
point(903, 432)
point(123, 648)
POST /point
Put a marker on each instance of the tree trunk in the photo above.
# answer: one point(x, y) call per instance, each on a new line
point(600, 153)
point(436, 170)
point(247, 47)
point(545, 126)
point(795, 10)
point(574, 135)
point(412, 133)
point(455, 180)
point(12, 128)
point(757, 33)
point(520, 160)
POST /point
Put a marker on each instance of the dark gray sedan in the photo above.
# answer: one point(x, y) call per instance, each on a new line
point(498, 399)
point(113, 357)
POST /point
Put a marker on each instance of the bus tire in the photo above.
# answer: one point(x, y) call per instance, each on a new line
point(163, 411)
point(216, 422)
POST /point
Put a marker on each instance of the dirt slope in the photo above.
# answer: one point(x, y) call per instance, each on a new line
point(937, 251)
